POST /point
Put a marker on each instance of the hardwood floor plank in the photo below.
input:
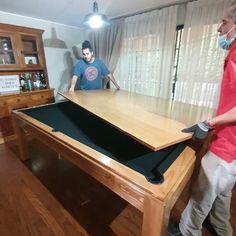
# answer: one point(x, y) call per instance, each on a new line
point(27, 208)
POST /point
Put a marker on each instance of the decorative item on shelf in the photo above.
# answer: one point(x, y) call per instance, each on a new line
point(29, 81)
point(6, 55)
point(43, 81)
point(5, 59)
point(95, 19)
point(23, 84)
point(37, 82)
point(31, 60)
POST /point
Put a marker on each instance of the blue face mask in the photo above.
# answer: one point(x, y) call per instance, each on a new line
point(224, 42)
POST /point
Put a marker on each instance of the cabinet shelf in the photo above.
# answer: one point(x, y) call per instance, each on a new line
point(2, 51)
point(30, 52)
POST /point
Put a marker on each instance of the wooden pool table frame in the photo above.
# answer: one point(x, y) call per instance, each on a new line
point(154, 201)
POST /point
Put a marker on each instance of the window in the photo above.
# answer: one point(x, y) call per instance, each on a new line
point(198, 65)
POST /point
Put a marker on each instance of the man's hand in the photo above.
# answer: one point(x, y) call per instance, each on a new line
point(71, 89)
point(200, 130)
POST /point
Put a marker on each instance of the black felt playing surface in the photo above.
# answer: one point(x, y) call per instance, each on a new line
point(96, 133)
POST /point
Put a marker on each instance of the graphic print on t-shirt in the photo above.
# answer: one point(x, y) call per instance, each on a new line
point(91, 73)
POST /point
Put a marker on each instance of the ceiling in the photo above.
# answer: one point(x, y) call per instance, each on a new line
point(72, 12)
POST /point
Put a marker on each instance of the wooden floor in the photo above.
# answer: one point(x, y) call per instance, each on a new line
point(47, 195)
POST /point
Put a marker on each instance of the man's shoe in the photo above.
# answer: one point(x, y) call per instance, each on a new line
point(173, 229)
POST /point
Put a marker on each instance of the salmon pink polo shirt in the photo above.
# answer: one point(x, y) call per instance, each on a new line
point(224, 140)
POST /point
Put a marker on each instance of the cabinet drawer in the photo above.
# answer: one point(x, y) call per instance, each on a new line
point(16, 101)
point(42, 98)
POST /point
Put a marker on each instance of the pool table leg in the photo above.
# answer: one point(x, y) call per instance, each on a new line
point(153, 217)
point(21, 139)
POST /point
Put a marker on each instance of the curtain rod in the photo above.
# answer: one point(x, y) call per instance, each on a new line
point(152, 9)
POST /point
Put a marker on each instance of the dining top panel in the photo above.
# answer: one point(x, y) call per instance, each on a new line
point(154, 122)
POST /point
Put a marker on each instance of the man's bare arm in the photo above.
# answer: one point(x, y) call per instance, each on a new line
point(73, 83)
point(111, 77)
point(226, 118)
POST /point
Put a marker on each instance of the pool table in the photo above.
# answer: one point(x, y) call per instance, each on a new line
point(116, 137)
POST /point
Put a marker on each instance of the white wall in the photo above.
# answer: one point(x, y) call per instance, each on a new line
point(60, 61)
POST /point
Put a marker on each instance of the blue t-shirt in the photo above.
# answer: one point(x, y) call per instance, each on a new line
point(91, 74)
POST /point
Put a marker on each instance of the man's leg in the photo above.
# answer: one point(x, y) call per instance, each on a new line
point(220, 213)
point(203, 197)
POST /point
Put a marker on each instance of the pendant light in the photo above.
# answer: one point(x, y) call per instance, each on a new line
point(95, 19)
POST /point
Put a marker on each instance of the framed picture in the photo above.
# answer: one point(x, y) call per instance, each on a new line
point(31, 60)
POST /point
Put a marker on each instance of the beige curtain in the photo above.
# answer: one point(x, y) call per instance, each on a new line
point(107, 43)
point(147, 54)
point(201, 59)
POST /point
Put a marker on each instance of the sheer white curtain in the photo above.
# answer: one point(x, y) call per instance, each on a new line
point(201, 59)
point(146, 60)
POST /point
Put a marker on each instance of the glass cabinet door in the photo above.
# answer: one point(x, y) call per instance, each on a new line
point(30, 50)
point(7, 56)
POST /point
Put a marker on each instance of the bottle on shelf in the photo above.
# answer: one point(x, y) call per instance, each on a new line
point(23, 84)
point(37, 82)
point(42, 79)
point(29, 81)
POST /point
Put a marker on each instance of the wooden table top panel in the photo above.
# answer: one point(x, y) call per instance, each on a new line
point(132, 114)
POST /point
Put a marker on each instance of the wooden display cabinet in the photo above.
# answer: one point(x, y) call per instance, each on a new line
point(21, 48)
point(22, 54)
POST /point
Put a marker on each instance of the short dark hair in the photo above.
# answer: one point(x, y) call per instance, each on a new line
point(86, 44)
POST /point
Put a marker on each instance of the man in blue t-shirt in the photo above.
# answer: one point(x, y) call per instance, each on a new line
point(91, 71)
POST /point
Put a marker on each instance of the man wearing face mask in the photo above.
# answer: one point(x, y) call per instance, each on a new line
point(213, 189)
